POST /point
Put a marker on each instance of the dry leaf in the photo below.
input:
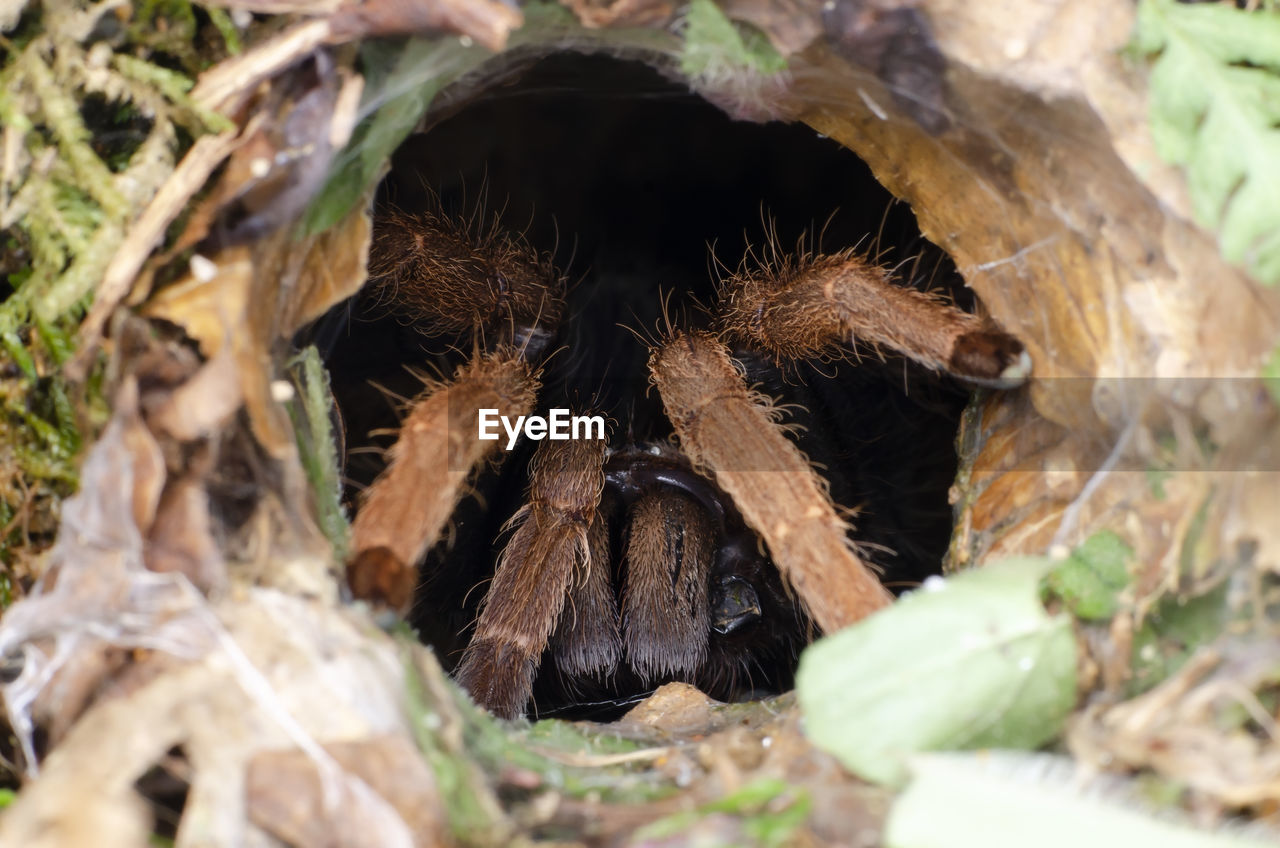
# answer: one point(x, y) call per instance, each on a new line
point(488, 22)
point(210, 301)
point(285, 792)
point(202, 405)
point(621, 13)
point(335, 269)
point(1190, 729)
point(146, 233)
point(181, 538)
point(791, 25)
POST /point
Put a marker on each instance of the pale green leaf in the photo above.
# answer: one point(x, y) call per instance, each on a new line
point(1215, 110)
point(713, 43)
point(973, 662)
point(1091, 580)
point(969, 801)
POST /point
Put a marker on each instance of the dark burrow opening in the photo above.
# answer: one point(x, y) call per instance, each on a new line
point(632, 184)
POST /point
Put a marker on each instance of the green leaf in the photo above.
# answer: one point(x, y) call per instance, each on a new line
point(1172, 632)
point(1215, 110)
point(226, 28)
point(402, 80)
point(962, 801)
point(974, 662)
point(1090, 581)
point(19, 354)
point(713, 43)
point(317, 445)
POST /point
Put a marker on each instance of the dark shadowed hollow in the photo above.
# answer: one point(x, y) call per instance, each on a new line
point(640, 190)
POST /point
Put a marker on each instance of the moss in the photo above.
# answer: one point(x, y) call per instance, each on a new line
point(104, 115)
point(45, 421)
point(767, 813)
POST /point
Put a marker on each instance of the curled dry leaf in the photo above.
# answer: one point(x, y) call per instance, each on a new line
point(252, 675)
point(289, 283)
point(97, 593)
point(210, 301)
point(293, 281)
point(201, 405)
point(181, 540)
point(285, 789)
point(894, 40)
point(336, 267)
point(488, 22)
point(621, 13)
point(1194, 728)
point(791, 25)
point(278, 7)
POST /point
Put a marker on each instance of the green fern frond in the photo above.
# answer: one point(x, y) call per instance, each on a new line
point(1215, 110)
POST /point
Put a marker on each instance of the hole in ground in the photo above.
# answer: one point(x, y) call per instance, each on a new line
point(627, 179)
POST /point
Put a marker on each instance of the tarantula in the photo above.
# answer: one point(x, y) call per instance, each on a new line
point(629, 557)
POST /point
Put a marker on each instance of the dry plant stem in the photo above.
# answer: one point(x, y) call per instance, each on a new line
point(192, 172)
point(732, 433)
point(221, 86)
point(489, 22)
point(407, 507)
point(588, 639)
point(808, 306)
point(527, 595)
point(666, 620)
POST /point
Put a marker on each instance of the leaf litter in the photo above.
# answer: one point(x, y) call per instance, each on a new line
point(144, 636)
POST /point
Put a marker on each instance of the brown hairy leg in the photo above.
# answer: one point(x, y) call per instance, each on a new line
point(588, 639)
point(449, 276)
point(665, 617)
point(446, 276)
point(404, 511)
point(802, 307)
point(732, 433)
point(527, 595)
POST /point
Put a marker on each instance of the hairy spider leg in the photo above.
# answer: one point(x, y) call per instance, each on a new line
point(809, 305)
point(527, 595)
point(444, 276)
point(733, 434)
point(404, 511)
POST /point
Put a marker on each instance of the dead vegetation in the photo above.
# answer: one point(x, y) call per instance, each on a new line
point(186, 618)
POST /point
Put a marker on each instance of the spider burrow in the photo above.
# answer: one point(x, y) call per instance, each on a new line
point(632, 557)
